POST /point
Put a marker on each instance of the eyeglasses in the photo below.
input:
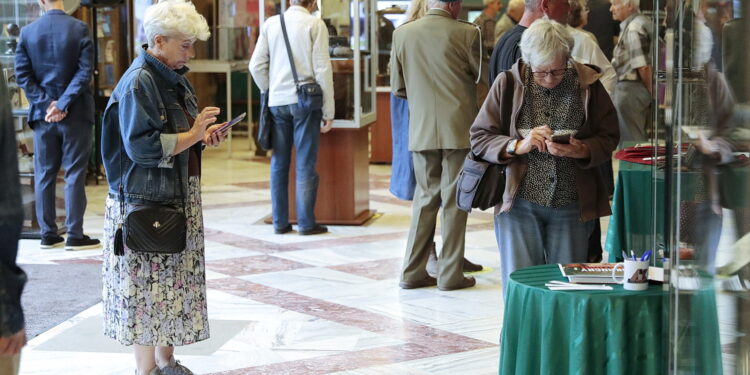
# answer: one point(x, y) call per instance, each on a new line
point(555, 73)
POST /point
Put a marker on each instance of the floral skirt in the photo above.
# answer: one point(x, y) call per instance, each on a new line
point(152, 299)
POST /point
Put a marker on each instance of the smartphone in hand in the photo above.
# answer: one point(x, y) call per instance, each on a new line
point(234, 121)
point(563, 138)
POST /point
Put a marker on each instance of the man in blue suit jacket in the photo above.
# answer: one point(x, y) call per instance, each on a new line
point(54, 66)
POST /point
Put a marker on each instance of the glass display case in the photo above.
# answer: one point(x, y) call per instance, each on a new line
point(14, 14)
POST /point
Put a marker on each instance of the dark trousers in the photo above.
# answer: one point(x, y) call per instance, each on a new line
point(69, 146)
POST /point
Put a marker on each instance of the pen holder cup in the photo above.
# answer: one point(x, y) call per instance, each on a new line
point(635, 276)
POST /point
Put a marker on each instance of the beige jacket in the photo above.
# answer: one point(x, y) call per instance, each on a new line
point(600, 132)
point(435, 64)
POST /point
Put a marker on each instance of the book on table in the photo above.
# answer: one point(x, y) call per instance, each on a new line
point(590, 273)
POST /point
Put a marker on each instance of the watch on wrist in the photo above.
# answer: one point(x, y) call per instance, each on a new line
point(511, 147)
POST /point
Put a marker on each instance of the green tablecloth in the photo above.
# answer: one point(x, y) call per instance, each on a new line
point(597, 332)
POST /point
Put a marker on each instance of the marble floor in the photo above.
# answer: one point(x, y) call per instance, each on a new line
point(286, 304)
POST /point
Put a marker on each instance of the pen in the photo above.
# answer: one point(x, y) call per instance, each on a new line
point(646, 255)
point(632, 253)
point(624, 255)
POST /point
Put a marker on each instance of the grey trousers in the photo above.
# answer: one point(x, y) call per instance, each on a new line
point(632, 102)
point(9, 365)
point(69, 146)
point(436, 173)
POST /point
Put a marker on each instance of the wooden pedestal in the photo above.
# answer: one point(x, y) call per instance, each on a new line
point(343, 190)
point(381, 146)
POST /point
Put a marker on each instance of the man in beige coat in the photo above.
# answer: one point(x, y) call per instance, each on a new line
point(435, 64)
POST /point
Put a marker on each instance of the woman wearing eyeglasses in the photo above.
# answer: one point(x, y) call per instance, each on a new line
point(554, 190)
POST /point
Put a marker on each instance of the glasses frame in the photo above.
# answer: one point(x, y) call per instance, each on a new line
point(553, 72)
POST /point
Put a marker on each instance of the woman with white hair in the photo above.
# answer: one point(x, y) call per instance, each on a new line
point(561, 128)
point(152, 139)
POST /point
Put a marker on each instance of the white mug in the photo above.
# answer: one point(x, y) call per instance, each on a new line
point(635, 275)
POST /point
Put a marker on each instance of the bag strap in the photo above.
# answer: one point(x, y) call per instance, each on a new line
point(507, 104)
point(289, 49)
point(121, 189)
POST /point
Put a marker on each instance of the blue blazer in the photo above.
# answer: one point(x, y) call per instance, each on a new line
point(54, 62)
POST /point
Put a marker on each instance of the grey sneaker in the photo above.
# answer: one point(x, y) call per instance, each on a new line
point(175, 368)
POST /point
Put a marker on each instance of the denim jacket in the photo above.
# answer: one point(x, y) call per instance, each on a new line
point(144, 111)
point(12, 278)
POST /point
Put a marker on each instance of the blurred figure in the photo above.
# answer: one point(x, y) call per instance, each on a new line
point(486, 21)
point(585, 48)
point(12, 278)
point(509, 19)
point(632, 62)
point(601, 24)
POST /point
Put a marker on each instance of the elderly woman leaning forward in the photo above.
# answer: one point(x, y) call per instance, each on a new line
point(152, 139)
point(554, 190)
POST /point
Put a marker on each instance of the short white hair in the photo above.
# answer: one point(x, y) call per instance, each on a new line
point(174, 18)
point(636, 3)
point(438, 4)
point(544, 41)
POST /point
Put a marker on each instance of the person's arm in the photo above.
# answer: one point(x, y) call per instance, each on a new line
point(644, 73)
point(82, 77)
point(321, 60)
point(258, 65)
point(398, 85)
point(488, 139)
point(605, 131)
point(25, 76)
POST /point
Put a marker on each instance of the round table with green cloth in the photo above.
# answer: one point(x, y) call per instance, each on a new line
point(597, 331)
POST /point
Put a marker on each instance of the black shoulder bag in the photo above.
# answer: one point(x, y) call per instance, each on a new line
point(151, 228)
point(309, 95)
point(481, 184)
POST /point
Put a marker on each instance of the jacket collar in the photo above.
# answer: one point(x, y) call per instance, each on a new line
point(298, 8)
point(438, 12)
point(172, 76)
point(54, 12)
point(587, 74)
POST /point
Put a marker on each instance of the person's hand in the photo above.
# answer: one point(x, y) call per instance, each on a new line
point(707, 146)
point(214, 136)
point(203, 120)
point(11, 345)
point(535, 140)
point(327, 126)
point(575, 149)
point(54, 114)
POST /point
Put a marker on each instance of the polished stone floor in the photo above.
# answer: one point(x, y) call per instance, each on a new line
point(286, 304)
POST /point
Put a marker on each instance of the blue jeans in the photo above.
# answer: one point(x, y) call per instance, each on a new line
point(530, 235)
point(69, 146)
point(301, 129)
point(403, 182)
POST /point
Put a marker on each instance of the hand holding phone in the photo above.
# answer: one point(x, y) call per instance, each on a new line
point(234, 121)
point(562, 138)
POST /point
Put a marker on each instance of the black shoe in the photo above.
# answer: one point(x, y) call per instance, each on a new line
point(467, 282)
point(51, 242)
point(471, 267)
point(317, 229)
point(428, 281)
point(81, 243)
point(283, 230)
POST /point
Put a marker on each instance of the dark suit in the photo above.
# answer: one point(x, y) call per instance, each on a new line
point(54, 62)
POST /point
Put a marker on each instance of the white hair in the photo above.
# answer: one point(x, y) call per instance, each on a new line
point(174, 18)
point(703, 44)
point(544, 41)
point(636, 3)
point(437, 4)
point(532, 5)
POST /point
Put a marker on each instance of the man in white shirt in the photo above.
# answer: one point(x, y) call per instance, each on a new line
point(293, 126)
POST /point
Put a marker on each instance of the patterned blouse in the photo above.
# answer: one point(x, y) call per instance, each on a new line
point(551, 180)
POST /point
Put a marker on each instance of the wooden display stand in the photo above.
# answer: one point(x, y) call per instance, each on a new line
point(343, 189)
point(381, 146)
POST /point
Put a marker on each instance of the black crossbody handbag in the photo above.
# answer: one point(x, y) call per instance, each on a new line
point(309, 95)
point(481, 184)
point(152, 228)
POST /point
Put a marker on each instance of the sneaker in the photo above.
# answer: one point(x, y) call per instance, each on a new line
point(317, 229)
point(49, 242)
point(81, 243)
point(175, 368)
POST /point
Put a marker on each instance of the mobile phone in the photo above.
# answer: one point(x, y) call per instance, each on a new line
point(234, 121)
point(562, 138)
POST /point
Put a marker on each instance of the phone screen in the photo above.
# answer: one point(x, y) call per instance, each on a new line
point(233, 122)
